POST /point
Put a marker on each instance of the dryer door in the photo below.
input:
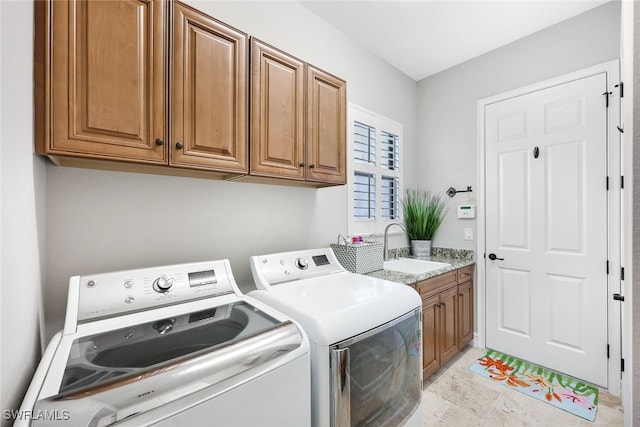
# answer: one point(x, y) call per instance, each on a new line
point(377, 376)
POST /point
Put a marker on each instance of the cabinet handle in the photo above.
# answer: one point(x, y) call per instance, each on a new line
point(159, 141)
point(179, 145)
point(444, 305)
point(311, 166)
point(301, 165)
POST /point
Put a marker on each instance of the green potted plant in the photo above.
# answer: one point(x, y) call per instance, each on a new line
point(423, 214)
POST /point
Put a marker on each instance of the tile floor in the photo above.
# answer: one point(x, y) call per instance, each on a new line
point(455, 396)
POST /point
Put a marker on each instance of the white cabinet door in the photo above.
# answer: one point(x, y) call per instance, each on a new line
point(546, 216)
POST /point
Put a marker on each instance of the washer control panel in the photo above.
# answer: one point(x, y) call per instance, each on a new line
point(107, 294)
point(288, 266)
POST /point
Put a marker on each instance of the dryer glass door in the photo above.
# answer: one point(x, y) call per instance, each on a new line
point(377, 376)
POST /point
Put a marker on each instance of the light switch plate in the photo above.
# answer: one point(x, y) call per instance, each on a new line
point(468, 233)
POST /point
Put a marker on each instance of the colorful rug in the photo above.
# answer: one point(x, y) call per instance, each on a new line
point(559, 390)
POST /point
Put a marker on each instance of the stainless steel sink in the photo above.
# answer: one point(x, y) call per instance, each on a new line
point(413, 266)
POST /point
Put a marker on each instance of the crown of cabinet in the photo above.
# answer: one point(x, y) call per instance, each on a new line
point(103, 72)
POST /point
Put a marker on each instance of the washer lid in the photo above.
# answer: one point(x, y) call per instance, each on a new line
point(138, 349)
point(339, 306)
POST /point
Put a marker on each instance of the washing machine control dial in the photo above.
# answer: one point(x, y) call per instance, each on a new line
point(163, 283)
point(302, 264)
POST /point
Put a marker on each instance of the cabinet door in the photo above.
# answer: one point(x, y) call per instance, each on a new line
point(326, 127)
point(430, 324)
point(209, 93)
point(449, 325)
point(277, 113)
point(104, 85)
point(465, 313)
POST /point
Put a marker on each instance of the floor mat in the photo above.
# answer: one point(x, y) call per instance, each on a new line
point(559, 390)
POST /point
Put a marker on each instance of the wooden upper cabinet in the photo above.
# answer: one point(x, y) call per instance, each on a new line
point(100, 78)
point(326, 139)
point(277, 113)
point(159, 83)
point(209, 93)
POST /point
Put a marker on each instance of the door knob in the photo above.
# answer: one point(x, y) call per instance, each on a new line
point(179, 145)
point(493, 257)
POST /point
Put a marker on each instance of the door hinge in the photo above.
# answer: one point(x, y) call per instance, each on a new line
point(607, 351)
point(606, 95)
point(621, 273)
point(621, 365)
point(621, 86)
point(607, 266)
point(618, 297)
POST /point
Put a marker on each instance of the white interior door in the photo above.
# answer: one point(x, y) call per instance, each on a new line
point(546, 217)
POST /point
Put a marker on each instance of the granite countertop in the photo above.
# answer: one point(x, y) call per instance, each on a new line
point(458, 258)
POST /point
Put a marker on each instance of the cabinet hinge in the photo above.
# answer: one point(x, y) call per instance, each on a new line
point(607, 351)
point(621, 365)
point(607, 266)
point(606, 96)
point(621, 181)
point(607, 183)
point(621, 273)
point(621, 86)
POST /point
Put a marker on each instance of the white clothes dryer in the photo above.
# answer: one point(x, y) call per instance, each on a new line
point(365, 335)
point(170, 346)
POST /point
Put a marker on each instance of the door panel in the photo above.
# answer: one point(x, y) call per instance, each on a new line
point(513, 212)
point(567, 311)
point(277, 109)
point(514, 302)
point(449, 328)
point(565, 175)
point(465, 313)
point(430, 324)
point(112, 104)
point(326, 127)
point(209, 107)
point(546, 210)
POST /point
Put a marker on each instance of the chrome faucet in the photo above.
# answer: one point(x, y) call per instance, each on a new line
point(385, 251)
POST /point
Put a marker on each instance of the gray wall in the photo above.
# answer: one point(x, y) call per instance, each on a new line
point(22, 206)
point(447, 101)
point(101, 221)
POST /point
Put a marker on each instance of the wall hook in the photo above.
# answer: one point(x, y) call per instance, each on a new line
point(452, 191)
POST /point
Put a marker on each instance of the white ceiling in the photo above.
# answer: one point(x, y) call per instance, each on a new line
point(421, 38)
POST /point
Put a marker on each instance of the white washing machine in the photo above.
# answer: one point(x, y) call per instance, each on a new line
point(365, 335)
point(172, 346)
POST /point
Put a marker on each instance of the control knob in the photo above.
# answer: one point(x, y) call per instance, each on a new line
point(164, 326)
point(163, 283)
point(302, 264)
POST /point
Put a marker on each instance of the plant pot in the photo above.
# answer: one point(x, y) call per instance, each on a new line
point(421, 248)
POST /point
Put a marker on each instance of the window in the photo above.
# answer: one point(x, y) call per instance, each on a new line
point(374, 172)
